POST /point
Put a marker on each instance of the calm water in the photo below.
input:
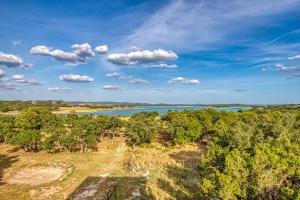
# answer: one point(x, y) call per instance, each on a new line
point(161, 110)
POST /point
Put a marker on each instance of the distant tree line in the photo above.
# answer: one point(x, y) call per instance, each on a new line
point(6, 106)
point(251, 154)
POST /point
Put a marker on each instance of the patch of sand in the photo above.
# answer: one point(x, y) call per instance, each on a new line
point(36, 175)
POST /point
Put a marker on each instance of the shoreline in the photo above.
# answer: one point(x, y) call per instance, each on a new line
point(76, 109)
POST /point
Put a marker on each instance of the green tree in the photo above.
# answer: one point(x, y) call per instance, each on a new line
point(142, 128)
point(30, 125)
point(182, 127)
point(7, 127)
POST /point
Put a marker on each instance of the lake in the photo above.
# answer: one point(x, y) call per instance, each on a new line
point(161, 110)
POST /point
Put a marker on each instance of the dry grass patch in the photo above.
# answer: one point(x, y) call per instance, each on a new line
point(36, 175)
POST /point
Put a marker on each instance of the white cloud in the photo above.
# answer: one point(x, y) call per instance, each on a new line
point(296, 57)
point(80, 54)
point(8, 86)
point(110, 87)
point(141, 57)
point(75, 78)
point(22, 79)
point(83, 50)
point(184, 81)
point(58, 89)
point(137, 81)
point(282, 68)
point(113, 75)
point(2, 73)
point(206, 23)
point(16, 43)
point(101, 49)
point(164, 65)
point(10, 60)
point(18, 77)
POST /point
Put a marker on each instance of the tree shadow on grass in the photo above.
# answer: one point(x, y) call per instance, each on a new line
point(185, 177)
point(112, 188)
point(5, 162)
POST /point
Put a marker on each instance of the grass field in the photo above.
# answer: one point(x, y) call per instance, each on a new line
point(115, 171)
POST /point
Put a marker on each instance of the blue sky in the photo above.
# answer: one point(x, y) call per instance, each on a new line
point(174, 51)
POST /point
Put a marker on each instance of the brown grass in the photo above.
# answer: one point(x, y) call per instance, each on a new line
point(115, 170)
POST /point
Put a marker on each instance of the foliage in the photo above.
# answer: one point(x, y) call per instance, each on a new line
point(252, 155)
point(7, 127)
point(183, 127)
point(142, 128)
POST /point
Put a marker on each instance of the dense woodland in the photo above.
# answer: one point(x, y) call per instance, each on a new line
point(251, 154)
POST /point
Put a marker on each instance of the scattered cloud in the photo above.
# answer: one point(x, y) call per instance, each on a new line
point(282, 68)
point(80, 54)
point(296, 57)
point(137, 81)
point(11, 61)
point(58, 89)
point(218, 22)
point(8, 86)
point(110, 87)
point(22, 79)
point(113, 75)
point(16, 43)
point(2, 73)
point(184, 81)
point(164, 65)
point(75, 78)
point(101, 49)
point(141, 57)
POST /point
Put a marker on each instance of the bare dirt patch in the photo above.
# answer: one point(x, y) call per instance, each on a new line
point(36, 175)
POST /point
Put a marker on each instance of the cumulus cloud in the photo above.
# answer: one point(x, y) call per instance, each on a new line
point(80, 54)
point(2, 73)
point(296, 57)
point(59, 89)
point(137, 81)
point(184, 81)
point(75, 78)
point(11, 61)
point(164, 65)
point(113, 75)
point(101, 49)
point(110, 87)
point(141, 57)
point(22, 79)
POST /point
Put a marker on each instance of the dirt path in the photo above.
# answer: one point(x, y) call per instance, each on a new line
point(117, 160)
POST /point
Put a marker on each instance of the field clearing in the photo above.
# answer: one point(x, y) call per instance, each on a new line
point(115, 170)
